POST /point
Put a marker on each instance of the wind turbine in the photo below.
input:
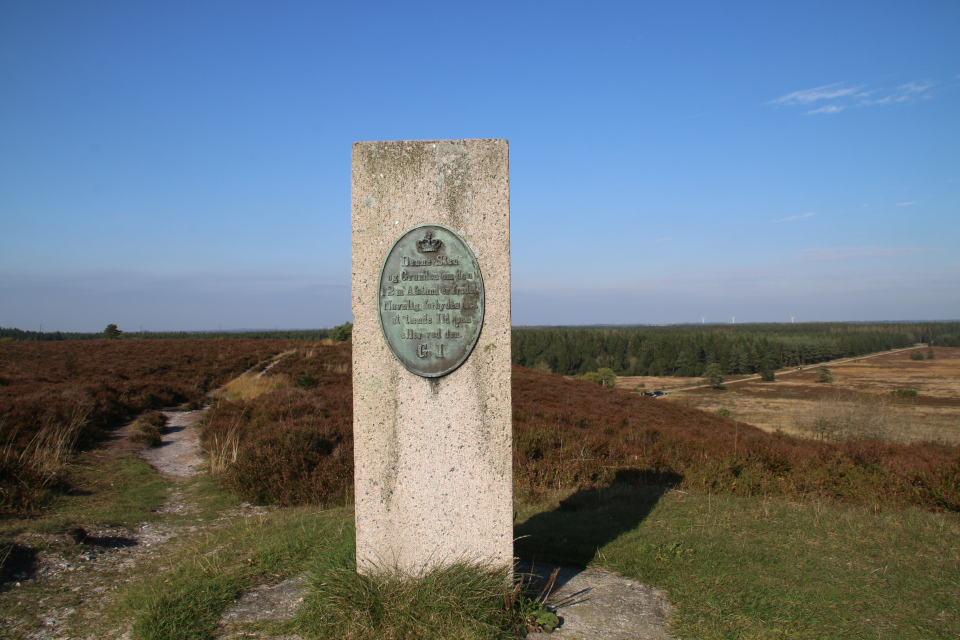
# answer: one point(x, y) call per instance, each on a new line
point(734, 318)
point(703, 321)
point(792, 318)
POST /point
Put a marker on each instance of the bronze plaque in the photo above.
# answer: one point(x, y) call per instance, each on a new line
point(431, 300)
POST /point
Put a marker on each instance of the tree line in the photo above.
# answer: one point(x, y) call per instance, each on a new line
point(688, 350)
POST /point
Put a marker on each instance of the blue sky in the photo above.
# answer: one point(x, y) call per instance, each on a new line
point(186, 165)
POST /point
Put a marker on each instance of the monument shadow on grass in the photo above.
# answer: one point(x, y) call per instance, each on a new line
point(590, 519)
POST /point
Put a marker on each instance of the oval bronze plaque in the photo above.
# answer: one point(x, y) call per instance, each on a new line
point(431, 300)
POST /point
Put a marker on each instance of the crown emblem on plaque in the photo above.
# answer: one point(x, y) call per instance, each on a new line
point(429, 244)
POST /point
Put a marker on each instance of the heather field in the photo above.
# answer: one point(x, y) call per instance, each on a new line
point(705, 507)
point(293, 444)
point(282, 432)
point(56, 396)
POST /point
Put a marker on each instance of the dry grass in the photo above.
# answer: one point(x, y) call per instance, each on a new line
point(652, 383)
point(860, 403)
point(252, 385)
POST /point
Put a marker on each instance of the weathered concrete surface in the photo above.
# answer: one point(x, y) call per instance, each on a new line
point(432, 456)
point(601, 605)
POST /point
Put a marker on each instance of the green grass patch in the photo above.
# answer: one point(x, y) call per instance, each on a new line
point(765, 568)
point(117, 492)
point(182, 595)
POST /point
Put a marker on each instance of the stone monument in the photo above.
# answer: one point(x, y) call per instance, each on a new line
point(431, 354)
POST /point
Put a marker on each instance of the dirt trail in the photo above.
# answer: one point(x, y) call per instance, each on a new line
point(178, 456)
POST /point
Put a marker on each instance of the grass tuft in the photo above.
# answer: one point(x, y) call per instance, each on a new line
point(150, 428)
point(461, 600)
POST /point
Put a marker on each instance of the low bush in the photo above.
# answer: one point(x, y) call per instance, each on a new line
point(150, 428)
point(307, 381)
point(604, 377)
point(906, 393)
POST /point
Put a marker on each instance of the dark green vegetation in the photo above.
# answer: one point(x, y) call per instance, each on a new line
point(342, 332)
point(905, 393)
point(339, 333)
point(603, 377)
point(687, 350)
point(56, 397)
point(112, 332)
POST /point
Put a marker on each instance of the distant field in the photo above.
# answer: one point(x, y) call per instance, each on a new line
point(861, 402)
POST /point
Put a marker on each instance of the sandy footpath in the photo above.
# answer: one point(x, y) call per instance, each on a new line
point(178, 456)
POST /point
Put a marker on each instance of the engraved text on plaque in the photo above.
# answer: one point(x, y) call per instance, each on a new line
point(431, 300)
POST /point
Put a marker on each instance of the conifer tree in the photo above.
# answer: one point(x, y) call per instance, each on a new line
point(714, 376)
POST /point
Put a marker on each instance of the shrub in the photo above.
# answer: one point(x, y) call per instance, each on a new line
point(150, 428)
point(604, 377)
point(723, 412)
point(916, 355)
point(824, 375)
point(307, 381)
point(906, 393)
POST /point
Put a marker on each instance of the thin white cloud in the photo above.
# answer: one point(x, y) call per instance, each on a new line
point(662, 239)
point(842, 97)
point(850, 254)
point(905, 204)
point(802, 215)
point(809, 96)
point(830, 108)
